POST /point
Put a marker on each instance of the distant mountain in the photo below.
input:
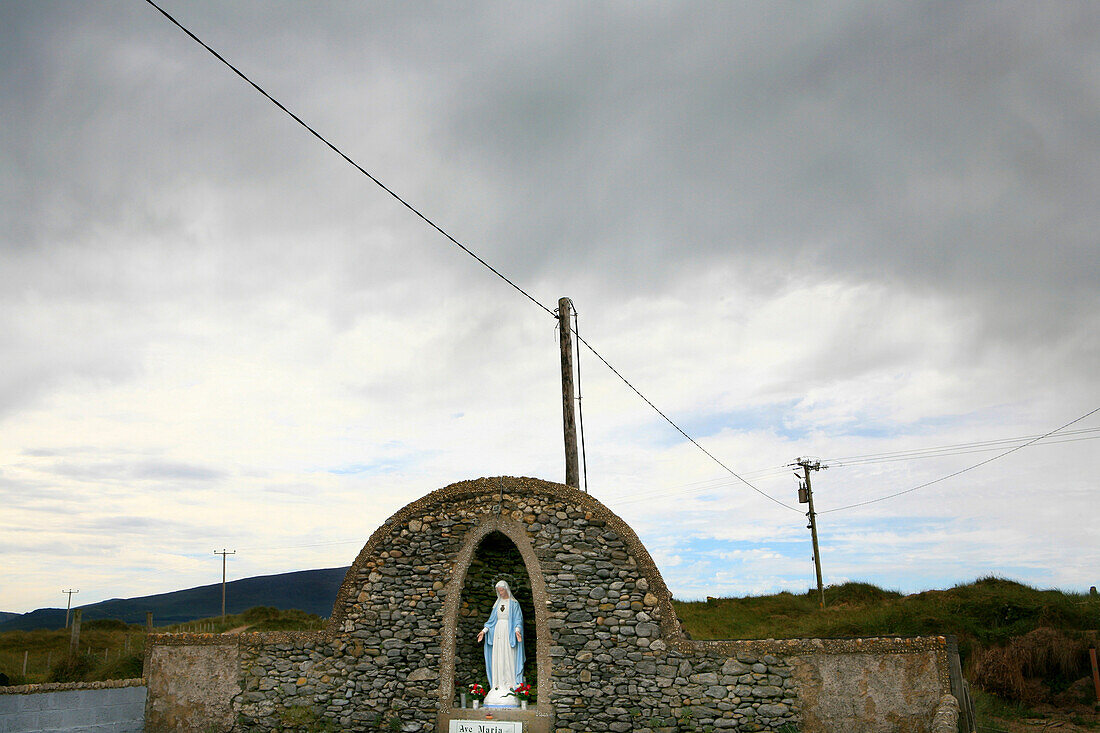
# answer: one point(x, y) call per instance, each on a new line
point(313, 591)
point(5, 615)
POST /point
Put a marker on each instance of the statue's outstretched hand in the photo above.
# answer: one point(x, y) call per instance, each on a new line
point(481, 635)
point(519, 636)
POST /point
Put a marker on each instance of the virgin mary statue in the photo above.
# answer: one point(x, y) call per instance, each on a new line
point(504, 655)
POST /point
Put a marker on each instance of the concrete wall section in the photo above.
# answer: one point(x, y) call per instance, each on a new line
point(192, 680)
point(883, 692)
point(101, 710)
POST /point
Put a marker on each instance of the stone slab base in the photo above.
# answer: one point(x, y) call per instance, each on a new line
point(532, 721)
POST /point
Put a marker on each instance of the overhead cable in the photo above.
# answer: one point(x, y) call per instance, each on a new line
point(963, 470)
point(680, 430)
point(454, 241)
point(955, 448)
point(344, 155)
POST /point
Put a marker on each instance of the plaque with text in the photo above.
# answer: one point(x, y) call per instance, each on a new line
point(485, 726)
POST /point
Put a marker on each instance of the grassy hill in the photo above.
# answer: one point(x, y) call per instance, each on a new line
point(1019, 642)
point(987, 611)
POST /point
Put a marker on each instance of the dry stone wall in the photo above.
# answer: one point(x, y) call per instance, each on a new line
point(606, 651)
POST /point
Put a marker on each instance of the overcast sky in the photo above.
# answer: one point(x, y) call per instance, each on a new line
point(835, 229)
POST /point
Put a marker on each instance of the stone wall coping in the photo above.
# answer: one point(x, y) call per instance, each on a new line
point(248, 638)
point(779, 647)
point(192, 639)
point(946, 717)
point(800, 647)
point(66, 686)
point(729, 647)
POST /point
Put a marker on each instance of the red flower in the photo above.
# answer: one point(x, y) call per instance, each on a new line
point(523, 692)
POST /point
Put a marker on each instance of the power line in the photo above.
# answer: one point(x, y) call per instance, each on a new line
point(344, 155)
point(680, 430)
point(963, 470)
point(696, 487)
point(979, 444)
point(454, 241)
point(941, 454)
point(580, 403)
point(296, 547)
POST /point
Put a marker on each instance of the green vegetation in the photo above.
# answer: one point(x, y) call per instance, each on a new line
point(306, 719)
point(266, 618)
point(101, 648)
point(1022, 644)
point(988, 706)
point(989, 611)
point(111, 649)
point(72, 669)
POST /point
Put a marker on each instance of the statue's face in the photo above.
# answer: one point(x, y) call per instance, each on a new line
point(500, 593)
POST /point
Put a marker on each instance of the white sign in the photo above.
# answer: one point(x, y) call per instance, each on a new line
point(485, 726)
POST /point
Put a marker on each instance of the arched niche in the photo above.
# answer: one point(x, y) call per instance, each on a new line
point(495, 558)
point(494, 536)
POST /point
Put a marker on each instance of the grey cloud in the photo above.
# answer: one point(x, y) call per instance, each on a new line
point(42, 361)
point(940, 147)
point(164, 471)
point(132, 525)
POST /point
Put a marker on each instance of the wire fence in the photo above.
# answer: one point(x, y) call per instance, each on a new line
point(35, 666)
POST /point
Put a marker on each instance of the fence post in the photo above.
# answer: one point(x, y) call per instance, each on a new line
point(25, 652)
point(74, 638)
point(1095, 674)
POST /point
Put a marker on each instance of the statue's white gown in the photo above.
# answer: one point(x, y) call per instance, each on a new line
point(504, 659)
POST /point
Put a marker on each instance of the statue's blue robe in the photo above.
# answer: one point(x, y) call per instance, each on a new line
point(517, 647)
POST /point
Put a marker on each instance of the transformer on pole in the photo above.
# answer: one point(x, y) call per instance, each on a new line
point(806, 496)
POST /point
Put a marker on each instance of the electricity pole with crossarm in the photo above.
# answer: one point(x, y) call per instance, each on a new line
point(806, 496)
point(223, 553)
point(69, 605)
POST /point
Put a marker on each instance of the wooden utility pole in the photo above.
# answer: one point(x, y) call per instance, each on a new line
point(565, 339)
point(68, 605)
point(223, 553)
point(806, 496)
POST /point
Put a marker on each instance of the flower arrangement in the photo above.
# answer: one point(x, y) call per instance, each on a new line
point(523, 692)
point(478, 692)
